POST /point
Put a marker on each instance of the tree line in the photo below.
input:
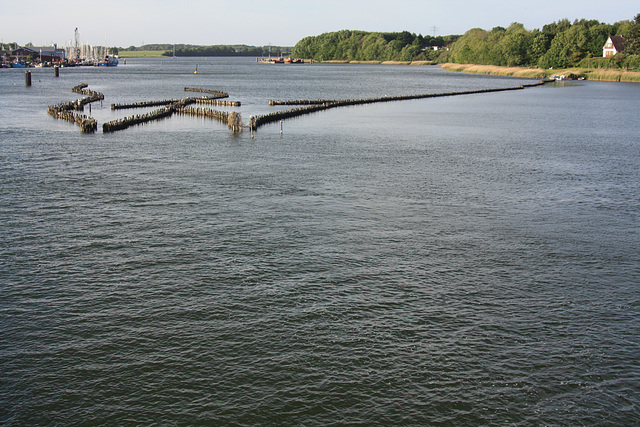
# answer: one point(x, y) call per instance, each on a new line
point(559, 44)
point(227, 50)
point(350, 45)
point(214, 50)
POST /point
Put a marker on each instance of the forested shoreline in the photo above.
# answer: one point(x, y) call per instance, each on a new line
point(212, 50)
point(561, 44)
point(347, 45)
point(557, 45)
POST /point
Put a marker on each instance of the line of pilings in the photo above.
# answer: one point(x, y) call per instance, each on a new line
point(143, 104)
point(231, 119)
point(273, 102)
point(217, 102)
point(66, 110)
point(87, 124)
point(219, 93)
point(319, 105)
point(221, 116)
point(137, 119)
point(211, 100)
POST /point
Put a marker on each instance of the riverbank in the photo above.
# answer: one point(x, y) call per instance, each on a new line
point(140, 53)
point(598, 74)
point(346, 61)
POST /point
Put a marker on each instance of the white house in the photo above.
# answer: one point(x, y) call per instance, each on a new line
point(614, 44)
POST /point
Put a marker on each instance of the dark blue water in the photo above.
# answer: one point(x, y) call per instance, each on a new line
point(451, 261)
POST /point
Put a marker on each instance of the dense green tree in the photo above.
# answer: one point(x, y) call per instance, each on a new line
point(632, 45)
point(514, 47)
point(559, 44)
point(373, 47)
point(540, 43)
point(557, 27)
point(365, 46)
point(219, 50)
point(470, 48)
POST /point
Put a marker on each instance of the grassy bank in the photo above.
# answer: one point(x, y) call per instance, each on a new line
point(531, 73)
point(346, 61)
point(614, 75)
point(140, 53)
point(599, 74)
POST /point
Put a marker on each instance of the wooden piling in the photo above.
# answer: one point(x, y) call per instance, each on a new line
point(318, 105)
point(143, 104)
point(126, 122)
point(218, 93)
point(56, 71)
point(215, 101)
point(65, 110)
point(27, 78)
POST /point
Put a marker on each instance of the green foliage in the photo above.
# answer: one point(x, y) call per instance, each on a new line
point(226, 50)
point(632, 45)
point(217, 50)
point(504, 47)
point(560, 44)
point(620, 61)
point(347, 45)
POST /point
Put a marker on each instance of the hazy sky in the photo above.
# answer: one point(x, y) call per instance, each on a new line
point(277, 22)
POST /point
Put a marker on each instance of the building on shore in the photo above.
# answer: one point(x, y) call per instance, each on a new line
point(614, 44)
point(36, 53)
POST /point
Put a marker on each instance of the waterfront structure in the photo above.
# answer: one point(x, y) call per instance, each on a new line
point(41, 53)
point(614, 44)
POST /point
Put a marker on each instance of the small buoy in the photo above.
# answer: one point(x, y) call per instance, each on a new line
point(196, 71)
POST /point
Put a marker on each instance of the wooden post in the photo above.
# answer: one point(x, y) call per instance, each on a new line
point(280, 127)
point(27, 78)
point(56, 71)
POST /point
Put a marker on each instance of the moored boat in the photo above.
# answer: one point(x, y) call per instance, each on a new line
point(108, 61)
point(281, 60)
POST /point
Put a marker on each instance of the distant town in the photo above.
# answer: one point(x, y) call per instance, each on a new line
point(16, 56)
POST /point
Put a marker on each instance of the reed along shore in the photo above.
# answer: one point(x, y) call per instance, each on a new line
point(597, 74)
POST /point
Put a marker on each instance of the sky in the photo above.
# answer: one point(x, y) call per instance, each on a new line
point(125, 23)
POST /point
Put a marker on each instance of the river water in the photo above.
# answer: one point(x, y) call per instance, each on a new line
point(462, 260)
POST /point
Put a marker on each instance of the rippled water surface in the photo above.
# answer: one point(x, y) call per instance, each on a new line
point(452, 261)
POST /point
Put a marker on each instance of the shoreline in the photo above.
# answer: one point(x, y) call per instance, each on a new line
point(347, 61)
point(595, 74)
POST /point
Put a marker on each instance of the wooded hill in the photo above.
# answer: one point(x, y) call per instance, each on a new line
point(560, 44)
point(347, 45)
